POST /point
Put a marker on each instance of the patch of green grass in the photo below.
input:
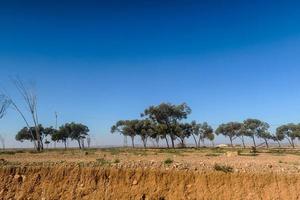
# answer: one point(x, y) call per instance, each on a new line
point(218, 150)
point(116, 161)
point(178, 152)
point(113, 151)
point(102, 161)
point(248, 154)
point(223, 168)
point(168, 161)
point(7, 152)
point(213, 154)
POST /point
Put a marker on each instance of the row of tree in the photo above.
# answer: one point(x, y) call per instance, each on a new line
point(166, 122)
point(73, 131)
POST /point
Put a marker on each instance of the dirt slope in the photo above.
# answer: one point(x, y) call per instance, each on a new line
point(75, 182)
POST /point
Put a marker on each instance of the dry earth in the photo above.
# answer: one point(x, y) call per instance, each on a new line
point(150, 174)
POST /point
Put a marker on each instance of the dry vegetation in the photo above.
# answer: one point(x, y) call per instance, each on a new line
point(219, 173)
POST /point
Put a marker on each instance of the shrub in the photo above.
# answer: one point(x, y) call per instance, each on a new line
point(168, 161)
point(223, 168)
point(102, 161)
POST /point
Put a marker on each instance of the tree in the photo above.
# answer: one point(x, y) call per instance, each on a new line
point(126, 128)
point(231, 130)
point(200, 132)
point(182, 131)
point(145, 129)
point(290, 132)
point(61, 135)
point(278, 137)
point(30, 99)
point(4, 104)
point(168, 115)
point(265, 135)
point(78, 132)
point(255, 127)
point(160, 131)
point(30, 134)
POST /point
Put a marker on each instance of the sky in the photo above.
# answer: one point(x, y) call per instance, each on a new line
point(97, 62)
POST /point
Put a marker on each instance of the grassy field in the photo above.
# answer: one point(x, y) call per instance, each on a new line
point(190, 158)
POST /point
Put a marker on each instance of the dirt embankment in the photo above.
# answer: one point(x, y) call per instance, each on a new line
point(75, 182)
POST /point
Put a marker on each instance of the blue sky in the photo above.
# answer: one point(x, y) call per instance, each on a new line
point(98, 62)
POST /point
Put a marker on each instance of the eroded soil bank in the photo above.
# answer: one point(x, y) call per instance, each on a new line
point(77, 182)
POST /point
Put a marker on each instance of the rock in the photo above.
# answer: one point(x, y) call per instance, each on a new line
point(18, 177)
point(134, 182)
point(270, 166)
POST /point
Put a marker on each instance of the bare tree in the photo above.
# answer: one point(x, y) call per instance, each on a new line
point(30, 98)
point(4, 104)
point(2, 140)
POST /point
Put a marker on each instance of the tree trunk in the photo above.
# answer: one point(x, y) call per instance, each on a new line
point(182, 142)
point(231, 143)
point(199, 141)
point(144, 142)
point(266, 143)
point(65, 142)
point(279, 145)
point(173, 145)
point(254, 143)
point(243, 141)
point(157, 141)
point(195, 140)
point(79, 144)
point(132, 141)
point(167, 142)
point(293, 144)
point(82, 143)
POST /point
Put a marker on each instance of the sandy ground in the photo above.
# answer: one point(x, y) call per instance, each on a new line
point(273, 160)
point(150, 174)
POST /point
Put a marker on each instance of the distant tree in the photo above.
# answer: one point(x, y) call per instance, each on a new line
point(61, 135)
point(77, 132)
point(230, 130)
point(145, 129)
point(277, 138)
point(30, 134)
point(126, 128)
point(30, 99)
point(200, 132)
point(160, 131)
point(290, 132)
point(265, 135)
point(183, 131)
point(255, 127)
point(4, 104)
point(2, 141)
point(168, 115)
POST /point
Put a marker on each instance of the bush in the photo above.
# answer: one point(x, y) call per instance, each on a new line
point(116, 161)
point(102, 161)
point(168, 161)
point(223, 168)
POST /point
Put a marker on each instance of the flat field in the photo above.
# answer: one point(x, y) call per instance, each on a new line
point(125, 173)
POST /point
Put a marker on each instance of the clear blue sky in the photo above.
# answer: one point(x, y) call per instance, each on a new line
point(98, 62)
